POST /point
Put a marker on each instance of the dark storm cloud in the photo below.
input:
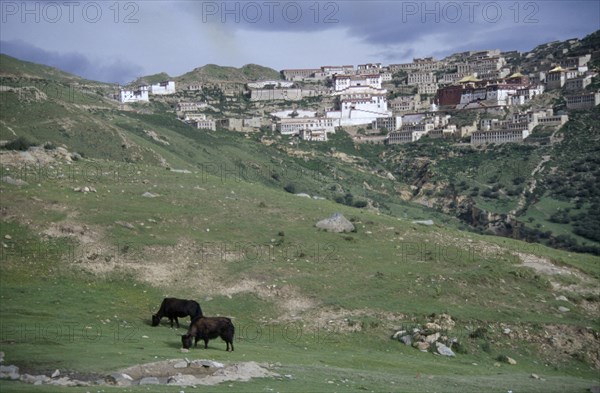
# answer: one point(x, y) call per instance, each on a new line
point(522, 24)
point(109, 71)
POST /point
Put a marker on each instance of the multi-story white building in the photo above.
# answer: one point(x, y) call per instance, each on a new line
point(140, 95)
point(429, 89)
point(580, 83)
point(294, 126)
point(163, 88)
point(359, 105)
point(424, 64)
point(498, 136)
point(190, 106)
point(206, 124)
point(579, 62)
point(336, 70)
point(318, 134)
point(583, 101)
point(392, 123)
point(374, 67)
point(299, 74)
point(343, 82)
point(421, 78)
point(386, 76)
point(403, 137)
point(269, 83)
point(405, 104)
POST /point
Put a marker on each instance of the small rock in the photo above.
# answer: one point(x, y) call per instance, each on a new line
point(125, 224)
point(336, 223)
point(184, 350)
point(55, 374)
point(9, 372)
point(563, 309)
point(497, 364)
point(444, 350)
point(510, 360)
point(182, 380)
point(119, 379)
point(432, 326)
point(506, 331)
point(421, 346)
point(423, 222)
point(180, 365)
point(207, 363)
point(562, 298)
point(34, 379)
point(149, 195)
point(7, 237)
point(535, 376)
point(407, 340)
point(149, 381)
point(432, 338)
point(14, 182)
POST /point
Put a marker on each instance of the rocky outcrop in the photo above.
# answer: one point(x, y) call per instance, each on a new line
point(336, 223)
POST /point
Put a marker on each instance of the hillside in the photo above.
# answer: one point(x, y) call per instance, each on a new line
point(10, 66)
point(212, 72)
point(170, 210)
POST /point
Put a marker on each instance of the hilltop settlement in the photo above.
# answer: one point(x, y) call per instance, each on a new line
point(476, 97)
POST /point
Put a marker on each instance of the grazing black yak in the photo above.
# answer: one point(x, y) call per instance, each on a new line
point(173, 308)
point(208, 328)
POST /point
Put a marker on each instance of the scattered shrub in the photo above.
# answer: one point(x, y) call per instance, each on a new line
point(21, 143)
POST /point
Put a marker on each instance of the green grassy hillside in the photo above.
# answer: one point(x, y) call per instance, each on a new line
point(176, 211)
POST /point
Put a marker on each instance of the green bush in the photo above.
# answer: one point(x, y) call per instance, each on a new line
point(21, 143)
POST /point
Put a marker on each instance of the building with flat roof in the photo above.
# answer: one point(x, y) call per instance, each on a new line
point(295, 125)
point(139, 95)
point(498, 136)
point(583, 101)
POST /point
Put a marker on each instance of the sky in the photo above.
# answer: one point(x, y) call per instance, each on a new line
point(119, 41)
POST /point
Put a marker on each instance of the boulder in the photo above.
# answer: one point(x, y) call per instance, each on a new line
point(423, 222)
point(149, 195)
point(421, 346)
point(336, 223)
point(183, 380)
point(407, 340)
point(207, 363)
point(14, 182)
point(119, 379)
point(9, 372)
point(444, 350)
point(432, 338)
point(149, 381)
point(34, 379)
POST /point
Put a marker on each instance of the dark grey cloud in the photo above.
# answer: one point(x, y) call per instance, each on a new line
point(111, 71)
point(523, 23)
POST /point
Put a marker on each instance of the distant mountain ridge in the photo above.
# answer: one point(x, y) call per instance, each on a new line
point(215, 73)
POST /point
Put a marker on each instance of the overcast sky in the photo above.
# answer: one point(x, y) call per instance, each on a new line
point(115, 41)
